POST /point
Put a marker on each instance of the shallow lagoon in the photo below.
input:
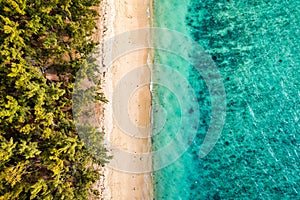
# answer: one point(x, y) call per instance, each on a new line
point(255, 46)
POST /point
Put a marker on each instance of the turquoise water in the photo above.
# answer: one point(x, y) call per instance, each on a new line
point(255, 46)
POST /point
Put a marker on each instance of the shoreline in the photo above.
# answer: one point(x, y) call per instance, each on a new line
point(119, 17)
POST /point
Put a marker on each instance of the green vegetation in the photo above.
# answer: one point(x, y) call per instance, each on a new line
point(42, 46)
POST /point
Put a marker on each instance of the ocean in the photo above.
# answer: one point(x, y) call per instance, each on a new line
point(226, 71)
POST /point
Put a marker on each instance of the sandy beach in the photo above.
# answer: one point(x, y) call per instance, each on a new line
point(118, 17)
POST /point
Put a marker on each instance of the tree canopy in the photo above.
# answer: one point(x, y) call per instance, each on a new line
point(42, 46)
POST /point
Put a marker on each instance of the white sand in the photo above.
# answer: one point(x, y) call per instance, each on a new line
point(118, 17)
